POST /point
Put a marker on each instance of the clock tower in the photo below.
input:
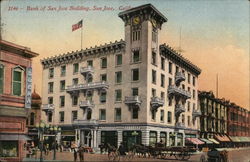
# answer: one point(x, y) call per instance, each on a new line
point(142, 25)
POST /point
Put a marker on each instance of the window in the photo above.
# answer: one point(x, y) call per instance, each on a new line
point(89, 95)
point(135, 113)
point(118, 60)
point(188, 78)
point(169, 81)
point(193, 81)
point(176, 69)
point(103, 62)
point(74, 115)
point(162, 63)
point(163, 96)
point(194, 94)
point(170, 101)
point(74, 100)
point(152, 138)
point(135, 74)
point(170, 67)
point(153, 92)
point(169, 117)
point(136, 56)
point(135, 92)
point(188, 105)
point(102, 114)
point(9, 149)
point(32, 118)
point(162, 80)
point(61, 114)
point(183, 86)
point(50, 87)
point(1, 78)
point(50, 100)
point(154, 76)
point(183, 119)
point(75, 81)
point(153, 114)
point(189, 121)
point(51, 72)
point(118, 114)
point(103, 96)
point(153, 58)
point(118, 77)
point(62, 101)
point(75, 68)
point(89, 78)
point(162, 116)
point(118, 95)
point(62, 85)
point(194, 106)
point(49, 119)
point(189, 89)
point(63, 70)
point(103, 77)
point(17, 81)
point(136, 35)
point(90, 63)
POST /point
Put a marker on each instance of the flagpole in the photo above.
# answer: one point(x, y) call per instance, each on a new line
point(81, 36)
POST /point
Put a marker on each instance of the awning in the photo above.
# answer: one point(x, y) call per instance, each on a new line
point(244, 139)
point(195, 141)
point(14, 137)
point(222, 138)
point(213, 140)
point(206, 141)
point(234, 138)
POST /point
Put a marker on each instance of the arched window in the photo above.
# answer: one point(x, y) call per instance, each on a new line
point(1, 78)
point(32, 118)
point(17, 80)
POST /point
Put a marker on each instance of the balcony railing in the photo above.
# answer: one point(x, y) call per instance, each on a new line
point(48, 108)
point(196, 113)
point(179, 77)
point(87, 123)
point(133, 100)
point(86, 70)
point(179, 125)
point(156, 102)
point(86, 104)
point(87, 86)
point(179, 108)
point(173, 90)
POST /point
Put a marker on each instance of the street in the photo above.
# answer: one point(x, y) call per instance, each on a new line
point(235, 155)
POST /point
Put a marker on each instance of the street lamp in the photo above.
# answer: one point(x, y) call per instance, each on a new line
point(55, 131)
point(41, 128)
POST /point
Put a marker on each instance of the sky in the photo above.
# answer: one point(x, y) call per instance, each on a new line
point(214, 34)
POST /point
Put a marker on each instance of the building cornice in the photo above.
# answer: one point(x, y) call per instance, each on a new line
point(114, 47)
point(170, 53)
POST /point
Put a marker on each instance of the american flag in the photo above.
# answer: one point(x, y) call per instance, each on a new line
point(77, 26)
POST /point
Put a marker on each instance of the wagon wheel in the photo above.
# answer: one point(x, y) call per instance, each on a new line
point(117, 156)
point(131, 155)
point(186, 156)
point(179, 155)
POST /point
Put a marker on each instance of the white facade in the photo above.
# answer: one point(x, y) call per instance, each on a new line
point(148, 111)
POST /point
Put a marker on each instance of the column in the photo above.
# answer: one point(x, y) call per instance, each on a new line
point(158, 136)
point(183, 138)
point(119, 139)
point(168, 144)
point(175, 139)
point(145, 137)
point(98, 138)
point(95, 139)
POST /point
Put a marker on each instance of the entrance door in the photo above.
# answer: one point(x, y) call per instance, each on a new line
point(129, 139)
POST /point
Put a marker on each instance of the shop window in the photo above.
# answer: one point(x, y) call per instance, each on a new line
point(163, 138)
point(152, 138)
point(179, 139)
point(9, 149)
point(171, 139)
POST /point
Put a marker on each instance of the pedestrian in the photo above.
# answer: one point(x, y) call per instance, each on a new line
point(81, 153)
point(75, 154)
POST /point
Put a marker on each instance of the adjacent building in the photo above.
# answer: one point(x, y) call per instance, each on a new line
point(15, 98)
point(133, 90)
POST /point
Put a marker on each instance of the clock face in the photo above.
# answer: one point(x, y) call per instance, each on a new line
point(136, 20)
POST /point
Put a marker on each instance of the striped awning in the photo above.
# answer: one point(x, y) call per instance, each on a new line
point(195, 141)
point(222, 138)
point(206, 141)
point(213, 140)
point(234, 138)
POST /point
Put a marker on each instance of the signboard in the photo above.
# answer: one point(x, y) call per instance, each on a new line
point(28, 87)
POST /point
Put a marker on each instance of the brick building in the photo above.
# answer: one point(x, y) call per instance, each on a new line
point(238, 125)
point(15, 85)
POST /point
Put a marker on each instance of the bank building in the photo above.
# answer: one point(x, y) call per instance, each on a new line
point(133, 90)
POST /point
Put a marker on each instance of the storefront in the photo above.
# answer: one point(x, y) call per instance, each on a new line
point(163, 138)
point(152, 138)
point(130, 138)
point(109, 137)
point(172, 139)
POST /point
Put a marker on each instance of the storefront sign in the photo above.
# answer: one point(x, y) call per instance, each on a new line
point(28, 87)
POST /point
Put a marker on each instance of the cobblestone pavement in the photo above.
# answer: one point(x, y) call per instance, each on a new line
point(235, 155)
